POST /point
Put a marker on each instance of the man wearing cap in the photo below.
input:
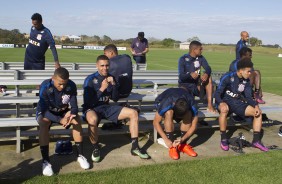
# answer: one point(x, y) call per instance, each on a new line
point(139, 48)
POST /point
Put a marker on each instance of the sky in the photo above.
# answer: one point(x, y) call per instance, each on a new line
point(213, 21)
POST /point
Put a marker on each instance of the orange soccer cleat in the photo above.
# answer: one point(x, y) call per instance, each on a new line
point(173, 153)
point(186, 148)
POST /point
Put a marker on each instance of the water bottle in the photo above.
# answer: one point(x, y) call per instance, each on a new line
point(155, 89)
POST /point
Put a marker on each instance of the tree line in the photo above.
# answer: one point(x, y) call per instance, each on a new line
point(16, 37)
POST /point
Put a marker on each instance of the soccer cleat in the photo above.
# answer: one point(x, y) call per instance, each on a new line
point(186, 148)
point(173, 153)
point(96, 155)
point(224, 145)
point(260, 146)
point(138, 152)
point(47, 169)
point(259, 99)
point(83, 162)
point(280, 132)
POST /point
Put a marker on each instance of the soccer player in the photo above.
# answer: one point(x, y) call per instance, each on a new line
point(189, 73)
point(139, 48)
point(255, 78)
point(39, 41)
point(99, 87)
point(121, 69)
point(53, 107)
point(241, 43)
point(234, 95)
point(176, 104)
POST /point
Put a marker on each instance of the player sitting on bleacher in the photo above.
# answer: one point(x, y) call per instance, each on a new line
point(53, 107)
point(234, 95)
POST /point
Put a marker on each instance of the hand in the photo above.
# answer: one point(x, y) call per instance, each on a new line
point(111, 80)
point(57, 64)
point(104, 85)
point(176, 143)
point(168, 143)
point(204, 77)
point(257, 111)
point(194, 75)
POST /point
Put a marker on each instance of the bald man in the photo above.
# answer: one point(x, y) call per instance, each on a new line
point(242, 43)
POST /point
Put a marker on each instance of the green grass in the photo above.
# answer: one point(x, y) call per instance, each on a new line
point(219, 58)
point(249, 168)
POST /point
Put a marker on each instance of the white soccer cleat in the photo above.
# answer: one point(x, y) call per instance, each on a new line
point(83, 162)
point(47, 169)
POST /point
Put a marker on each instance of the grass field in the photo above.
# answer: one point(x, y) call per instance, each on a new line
point(219, 58)
point(250, 168)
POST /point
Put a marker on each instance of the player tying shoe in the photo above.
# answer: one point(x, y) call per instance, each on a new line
point(176, 104)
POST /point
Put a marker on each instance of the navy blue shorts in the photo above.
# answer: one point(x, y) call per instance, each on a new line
point(33, 66)
point(238, 107)
point(192, 88)
point(109, 112)
point(52, 116)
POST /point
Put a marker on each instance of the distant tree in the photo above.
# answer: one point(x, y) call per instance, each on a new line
point(194, 38)
point(168, 42)
point(96, 38)
point(255, 41)
point(107, 39)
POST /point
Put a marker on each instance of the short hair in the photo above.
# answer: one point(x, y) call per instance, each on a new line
point(111, 47)
point(194, 44)
point(63, 73)
point(141, 34)
point(243, 51)
point(244, 63)
point(102, 57)
point(180, 107)
point(36, 16)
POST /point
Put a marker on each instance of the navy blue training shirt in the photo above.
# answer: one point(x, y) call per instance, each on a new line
point(121, 69)
point(240, 44)
point(188, 64)
point(233, 66)
point(93, 97)
point(54, 101)
point(166, 100)
point(231, 87)
point(39, 42)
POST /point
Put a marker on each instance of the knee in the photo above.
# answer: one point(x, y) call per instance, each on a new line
point(44, 123)
point(92, 120)
point(133, 114)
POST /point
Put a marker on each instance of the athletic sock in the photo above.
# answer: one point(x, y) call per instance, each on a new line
point(170, 136)
point(79, 148)
point(45, 153)
point(223, 135)
point(134, 142)
point(96, 146)
point(256, 137)
point(182, 134)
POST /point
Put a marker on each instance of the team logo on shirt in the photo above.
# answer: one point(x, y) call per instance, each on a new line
point(187, 59)
point(244, 82)
point(65, 99)
point(241, 87)
point(42, 32)
point(232, 79)
point(39, 36)
point(137, 44)
point(197, 64)
point(95, 81)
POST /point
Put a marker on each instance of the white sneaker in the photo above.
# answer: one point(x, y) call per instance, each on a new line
point(83, 162)
point(161, 142)
point(47, 169)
